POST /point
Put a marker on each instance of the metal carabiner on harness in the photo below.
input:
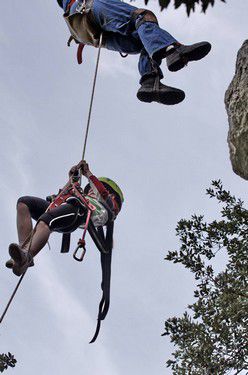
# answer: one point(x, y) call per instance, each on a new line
point(81, 241)
point(81, 245)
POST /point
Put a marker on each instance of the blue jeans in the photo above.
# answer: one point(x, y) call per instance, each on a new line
point(114, 17)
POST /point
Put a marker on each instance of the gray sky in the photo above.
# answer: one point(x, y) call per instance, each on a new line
point(163, 157)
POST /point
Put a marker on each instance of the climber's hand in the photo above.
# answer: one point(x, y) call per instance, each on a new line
point(73, 170)
point(84, 167)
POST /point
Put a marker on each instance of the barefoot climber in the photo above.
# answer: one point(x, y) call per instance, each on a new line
point(131, 30)
point(103, 193)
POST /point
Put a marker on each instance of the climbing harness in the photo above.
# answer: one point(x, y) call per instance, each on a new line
point(69, 194)
point(103, 241)
point(82, 25)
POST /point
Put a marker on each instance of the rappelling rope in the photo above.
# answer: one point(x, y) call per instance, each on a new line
point(12, 297)
point(91, 101)
point(28, 241)
point(30, 237)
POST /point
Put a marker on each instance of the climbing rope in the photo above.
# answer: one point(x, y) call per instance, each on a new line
point(91, 101)
point(12, 297)
point(28, 241)
point(30, 237)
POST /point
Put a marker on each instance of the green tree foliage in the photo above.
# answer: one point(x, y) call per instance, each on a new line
point(212, 335)
point(190, 4)
point(6, 360)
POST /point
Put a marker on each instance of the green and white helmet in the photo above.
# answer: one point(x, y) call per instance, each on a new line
point(111, 186)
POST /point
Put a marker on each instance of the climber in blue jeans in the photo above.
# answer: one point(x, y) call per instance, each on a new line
point(130, 30)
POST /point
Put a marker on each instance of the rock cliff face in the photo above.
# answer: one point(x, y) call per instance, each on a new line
point(236, 101)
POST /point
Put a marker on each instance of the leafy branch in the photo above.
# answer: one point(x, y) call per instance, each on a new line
point(211, 336)
point(189, 4)
point(6, 360)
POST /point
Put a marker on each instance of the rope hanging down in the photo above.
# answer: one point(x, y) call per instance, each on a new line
point(29, 242)
point(92, 97)
point(30, 237)
point(12, 297)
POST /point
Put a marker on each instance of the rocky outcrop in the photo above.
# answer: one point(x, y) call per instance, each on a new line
point(236, 101)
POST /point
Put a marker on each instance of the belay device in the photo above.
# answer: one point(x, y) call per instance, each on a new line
point(103, 240)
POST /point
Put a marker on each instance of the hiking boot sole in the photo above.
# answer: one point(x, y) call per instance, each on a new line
point(181, 60)
point(169, 98)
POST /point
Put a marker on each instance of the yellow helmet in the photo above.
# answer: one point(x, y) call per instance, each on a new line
point(111, 186)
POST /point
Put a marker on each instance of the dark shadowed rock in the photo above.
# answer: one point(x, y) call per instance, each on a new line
point(236, 101)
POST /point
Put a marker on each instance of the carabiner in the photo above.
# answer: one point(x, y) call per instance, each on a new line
point(81, 245)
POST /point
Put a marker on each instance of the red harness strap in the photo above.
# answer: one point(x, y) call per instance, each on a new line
point(80, 53)
point(72, 189)
point(69, 5)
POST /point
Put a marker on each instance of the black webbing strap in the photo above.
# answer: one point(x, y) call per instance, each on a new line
point(66, 236)
point(65, 245)
point(106, 276)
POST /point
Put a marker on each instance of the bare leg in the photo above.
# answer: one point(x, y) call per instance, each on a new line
point(40, 238)
point(23, 258)
point(30, 242)
point(24, 222)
